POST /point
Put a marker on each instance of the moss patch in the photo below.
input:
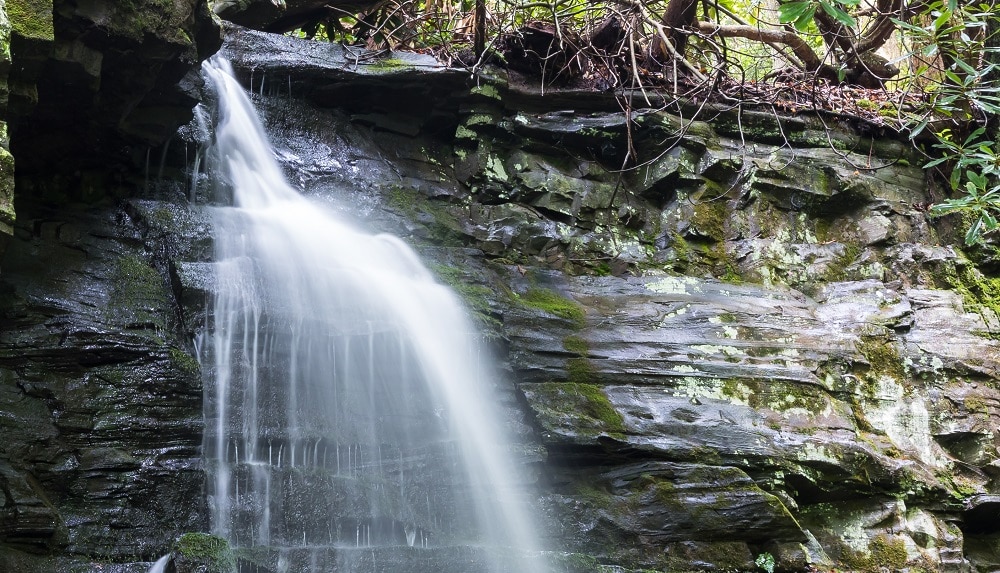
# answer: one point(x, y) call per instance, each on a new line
point(184, 361)
point(31, 18)
point(554, 303)
point(884, 554)
point(211, 551)
point(580, 370)
point(139, 297)
point(836, 270)
point(576, 344)
point(883, 358)
point(580, 408)
point(443, 227)
point(981, 294)
point(6, 191)
point(476, 296)
point(598, 406)
point(709, 218)
point(389, 64)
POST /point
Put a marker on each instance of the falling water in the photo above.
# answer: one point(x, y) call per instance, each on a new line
point(350, 421)
point(161, 564)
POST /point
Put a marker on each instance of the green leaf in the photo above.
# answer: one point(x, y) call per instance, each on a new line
point(838, 14)
point(941, 20)
point(935, 162)
point(972, 236)
point(920, 127)
point(989, 221)
point(792, 11)
point(798, 13)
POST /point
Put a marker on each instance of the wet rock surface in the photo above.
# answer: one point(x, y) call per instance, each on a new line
point(94, 84)
point(739, 349)
point(101, 398)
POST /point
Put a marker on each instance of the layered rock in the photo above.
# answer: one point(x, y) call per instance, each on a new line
point(749, 347)
point(753, 346)
point(6, 159)
point(93, 86)
point(100, 397)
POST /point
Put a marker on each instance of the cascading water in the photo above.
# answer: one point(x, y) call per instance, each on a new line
point(350, 425)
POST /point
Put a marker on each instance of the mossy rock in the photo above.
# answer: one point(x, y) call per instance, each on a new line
point(575, 409)
point(31, 19)
point(555, 304)
point(139, 298)
point(980, 293)
point(884, 554)
point(203, 553)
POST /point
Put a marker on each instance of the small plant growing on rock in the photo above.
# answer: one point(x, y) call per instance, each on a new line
point(765, 562)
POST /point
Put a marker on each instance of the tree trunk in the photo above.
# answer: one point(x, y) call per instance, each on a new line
point(678, 15)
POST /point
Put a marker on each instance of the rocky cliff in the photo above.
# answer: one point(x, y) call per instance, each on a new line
point(753, 345)
point(100, 398)
point(749, 349)
point(89, 87)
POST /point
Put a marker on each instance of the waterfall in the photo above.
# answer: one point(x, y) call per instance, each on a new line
point(350, 422)
point(160, 565)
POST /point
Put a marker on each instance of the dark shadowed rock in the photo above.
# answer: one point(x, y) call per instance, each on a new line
point(111, 80)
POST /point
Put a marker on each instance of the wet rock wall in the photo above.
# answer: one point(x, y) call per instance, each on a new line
point(751, 344)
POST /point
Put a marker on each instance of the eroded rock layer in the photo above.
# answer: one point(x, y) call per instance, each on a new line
point(749, 347)
point(750, 344)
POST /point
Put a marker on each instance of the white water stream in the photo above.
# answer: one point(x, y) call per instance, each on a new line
point(347, 405)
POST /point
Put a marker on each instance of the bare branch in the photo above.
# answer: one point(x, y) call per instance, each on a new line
point(800, 48)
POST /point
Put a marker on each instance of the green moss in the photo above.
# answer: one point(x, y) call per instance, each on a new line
point(31, 18)
point(836, 271)
point(580, 370)
point(976, 404)
point(213, 551)
point(476, 296)
point(709, 218)
point(582, 408)
point(888, 553)
point(666, 493)
point(882, 356)
point(486, 90)
point(576, 563)
point(724, 264)
point(7, 215)
point(573, 343)
point(683, 253)
point(386, 64)
point(867, 104)
point(184, 361)
point(602, 269)
point(595, 497)
point(554, 303)
point(136, 18)
point(598, 406)
point(980, 294)
point(775, 395)
point(138, 297)
point(443, 229)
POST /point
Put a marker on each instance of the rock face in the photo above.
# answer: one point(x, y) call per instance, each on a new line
point(753, 347)
point(92, 86)
point(749, 349)
point(100, 397)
